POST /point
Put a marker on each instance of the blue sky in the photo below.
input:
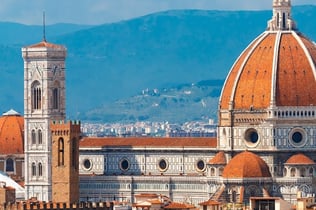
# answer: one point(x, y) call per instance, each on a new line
point(105, 11)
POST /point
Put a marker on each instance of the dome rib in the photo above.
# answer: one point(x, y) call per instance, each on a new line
point(308, 54)
point(228, 91)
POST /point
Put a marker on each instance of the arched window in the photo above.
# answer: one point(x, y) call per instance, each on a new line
point(220, 171)
point(33, 169)
point(36, 96)
point(293, 172)
point(302, 172)
point(311, 172)
point(212, 172)
point(60, 152)
point(40, 137)
point(40, 169)
point(9, 165)
point(55, 98)
point(33, 137)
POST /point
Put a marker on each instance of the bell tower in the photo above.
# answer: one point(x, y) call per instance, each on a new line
point(65, 156)
point(44, 101)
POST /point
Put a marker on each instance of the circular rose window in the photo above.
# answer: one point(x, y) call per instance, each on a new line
point(124, 165)
point(163, 165)
point(87, 164)
point(297, 137)
point(251, 137)
point(200, 165)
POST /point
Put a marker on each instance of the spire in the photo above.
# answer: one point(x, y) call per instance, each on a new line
point(281, 19)
point(44, 27)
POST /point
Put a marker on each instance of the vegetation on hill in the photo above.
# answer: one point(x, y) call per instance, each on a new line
point(107, 65)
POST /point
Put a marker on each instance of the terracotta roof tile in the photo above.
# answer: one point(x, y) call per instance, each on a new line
point(210, 203)
point(296, 83)
point(175, 205)
point(300, 159)
point(148, 142)
point(11, 134)
point(46, 45)
point(252, 75)
point(218, 159)
point(246, 165)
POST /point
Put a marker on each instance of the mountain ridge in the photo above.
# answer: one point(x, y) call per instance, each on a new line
point(112, 62)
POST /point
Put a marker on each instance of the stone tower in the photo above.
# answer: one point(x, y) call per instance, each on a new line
point(65, 156)
point(44, 101)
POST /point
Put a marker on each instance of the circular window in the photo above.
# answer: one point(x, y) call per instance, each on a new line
point(163, 165)
point(87, 164)
point(124, 164)
point(251, 137)
point(200, 165)
point(297, 137)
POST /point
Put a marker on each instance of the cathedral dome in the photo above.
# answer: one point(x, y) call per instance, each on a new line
point(300, 159)
point(277, 69)
point(11, 133)
point(246, 165)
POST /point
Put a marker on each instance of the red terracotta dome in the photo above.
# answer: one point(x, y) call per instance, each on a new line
point(276, 69)
point(300, 159)
point(246, 165)
point(11, 133)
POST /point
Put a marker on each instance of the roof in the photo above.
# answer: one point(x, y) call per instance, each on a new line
point(11, 133)
point(277, 68)
point(218, 159)
point(210, 203)
point(96, 142)
point(44, 44)
point(175, 205)
point(19, 191)
point(300, 159)
point(246, 165)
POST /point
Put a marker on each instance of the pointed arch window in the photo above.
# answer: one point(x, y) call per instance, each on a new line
point(60, 152)
point(9, 166)
point(33, 136)
point(33, 169)
point(40, 137)
point(36, 96)
point(40, 169)
point(55, 98)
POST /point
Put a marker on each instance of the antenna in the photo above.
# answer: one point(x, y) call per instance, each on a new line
point(44, 32)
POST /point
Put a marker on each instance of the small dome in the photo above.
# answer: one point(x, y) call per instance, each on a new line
point(218, 159)
point(300, 159)
point(246, 165)
point(11, 133)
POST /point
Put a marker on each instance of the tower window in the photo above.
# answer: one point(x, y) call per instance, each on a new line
point(9, 167)
point(36, 96)
point(40, 137)
point(55, 98)
point(33, 169)
point(40, 169)
point(33, 137)
point(60, 152)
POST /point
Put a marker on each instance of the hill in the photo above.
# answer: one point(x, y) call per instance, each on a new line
point(113, 62)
